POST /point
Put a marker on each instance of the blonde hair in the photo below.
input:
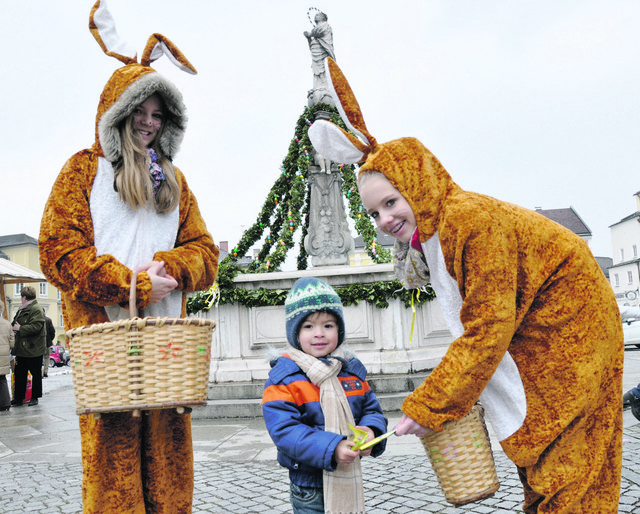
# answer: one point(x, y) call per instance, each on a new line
point(132, 178)
point(363, 176)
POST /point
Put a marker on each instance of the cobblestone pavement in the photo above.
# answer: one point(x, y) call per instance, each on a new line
point(235, 466)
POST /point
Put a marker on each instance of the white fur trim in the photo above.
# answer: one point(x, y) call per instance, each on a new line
point(331, 142)
point(133, 95)
point(132, 236)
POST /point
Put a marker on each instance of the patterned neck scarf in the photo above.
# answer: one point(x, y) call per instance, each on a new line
point(157, 173)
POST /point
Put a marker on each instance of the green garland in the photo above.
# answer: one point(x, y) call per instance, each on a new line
point(285, 212)
point(286, 208)
point(376, 293)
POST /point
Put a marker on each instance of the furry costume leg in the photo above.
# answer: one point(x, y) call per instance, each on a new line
point(137, 465)
point(167, 462)
point(587, 457)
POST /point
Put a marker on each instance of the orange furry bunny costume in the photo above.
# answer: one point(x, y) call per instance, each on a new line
point(538, 334)
point(90, 240)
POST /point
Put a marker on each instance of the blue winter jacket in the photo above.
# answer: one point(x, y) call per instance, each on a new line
point(294, 419)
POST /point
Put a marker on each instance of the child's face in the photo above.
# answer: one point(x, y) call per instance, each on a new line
point(318, 335)
point(387, 207)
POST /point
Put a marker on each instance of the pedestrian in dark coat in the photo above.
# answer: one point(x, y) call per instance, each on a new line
point(30, 345)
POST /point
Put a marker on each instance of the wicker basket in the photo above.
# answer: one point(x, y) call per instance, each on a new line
point(141, 364)
point(462, 459)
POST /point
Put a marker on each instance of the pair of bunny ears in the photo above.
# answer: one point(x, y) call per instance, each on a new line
point(327, 138)
point(330, 140)
point(103, 28)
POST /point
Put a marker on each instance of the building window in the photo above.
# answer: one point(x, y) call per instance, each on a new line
point(621, 254)
point(61, 321)
point(630, 277)
point(43, 289)
point(616, 280)
point(59, 294)
point(635, 251)
point(17, 290)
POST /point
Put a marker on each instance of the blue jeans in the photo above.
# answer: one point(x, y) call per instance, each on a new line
point(307, 500)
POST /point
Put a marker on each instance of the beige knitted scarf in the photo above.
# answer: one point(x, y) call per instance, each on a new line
point(342, 488)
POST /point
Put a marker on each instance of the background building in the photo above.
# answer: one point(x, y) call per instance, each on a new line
point(624, 274)
point(23, 250)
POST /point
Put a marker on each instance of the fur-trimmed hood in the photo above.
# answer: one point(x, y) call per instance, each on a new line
point(128, 87)
point(132, 84)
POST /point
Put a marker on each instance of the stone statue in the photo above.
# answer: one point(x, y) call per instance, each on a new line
point(320, 40)
point(328, 241)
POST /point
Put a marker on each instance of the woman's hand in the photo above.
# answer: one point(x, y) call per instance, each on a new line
point(162, 284)
point(407, 425)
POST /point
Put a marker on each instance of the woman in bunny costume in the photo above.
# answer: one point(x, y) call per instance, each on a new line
point(116, 207)
point(538, 337)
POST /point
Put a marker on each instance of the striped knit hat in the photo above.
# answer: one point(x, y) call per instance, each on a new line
point(309, 295)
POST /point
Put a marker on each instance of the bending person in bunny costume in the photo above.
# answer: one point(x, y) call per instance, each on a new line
point(120, 206)
point(538, 336)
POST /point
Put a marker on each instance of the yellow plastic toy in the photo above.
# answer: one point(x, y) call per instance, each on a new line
point(359, 437)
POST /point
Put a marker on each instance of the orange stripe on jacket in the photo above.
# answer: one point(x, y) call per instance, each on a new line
point(301, 391)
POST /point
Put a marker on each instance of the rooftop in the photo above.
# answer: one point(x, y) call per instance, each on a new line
point(17, 239)
point(568, 218)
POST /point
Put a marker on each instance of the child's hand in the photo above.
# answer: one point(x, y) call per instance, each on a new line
point(371, 435)
point(344, 454)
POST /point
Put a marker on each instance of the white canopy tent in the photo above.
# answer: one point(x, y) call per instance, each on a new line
point(12, 273)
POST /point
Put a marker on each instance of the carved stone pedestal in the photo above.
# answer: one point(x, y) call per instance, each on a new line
point(328, 240)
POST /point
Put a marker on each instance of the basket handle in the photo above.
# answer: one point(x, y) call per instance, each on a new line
point(133, 312)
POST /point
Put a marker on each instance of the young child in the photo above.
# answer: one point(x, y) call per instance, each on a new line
point(117, 207)
point(537, 331)
point(314, 392)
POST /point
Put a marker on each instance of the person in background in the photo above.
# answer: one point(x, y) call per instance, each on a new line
point(30, 345)
point(632, 397)
point(6, 346)
point(314, 392)
point(51, 335)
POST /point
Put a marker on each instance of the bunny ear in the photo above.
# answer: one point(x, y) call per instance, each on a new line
point(335, 144)
point(157, 46)
point(346, 102)
point(329, 139)
point(103, 28)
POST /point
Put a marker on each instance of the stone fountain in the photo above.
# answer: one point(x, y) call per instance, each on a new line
point(397, 346)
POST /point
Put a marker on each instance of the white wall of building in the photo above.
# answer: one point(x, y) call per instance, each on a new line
point(624, 276)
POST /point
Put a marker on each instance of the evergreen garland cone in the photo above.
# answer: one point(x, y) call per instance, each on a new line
point(284, 213)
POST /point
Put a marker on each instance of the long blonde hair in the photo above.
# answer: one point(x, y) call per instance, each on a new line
point(132, 178)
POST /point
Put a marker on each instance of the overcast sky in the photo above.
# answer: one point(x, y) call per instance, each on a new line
point(532, 102)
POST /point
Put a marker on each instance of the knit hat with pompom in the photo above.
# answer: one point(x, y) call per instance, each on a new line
point(309, 295)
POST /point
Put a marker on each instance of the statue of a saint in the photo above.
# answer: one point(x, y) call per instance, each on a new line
point(320, 40)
